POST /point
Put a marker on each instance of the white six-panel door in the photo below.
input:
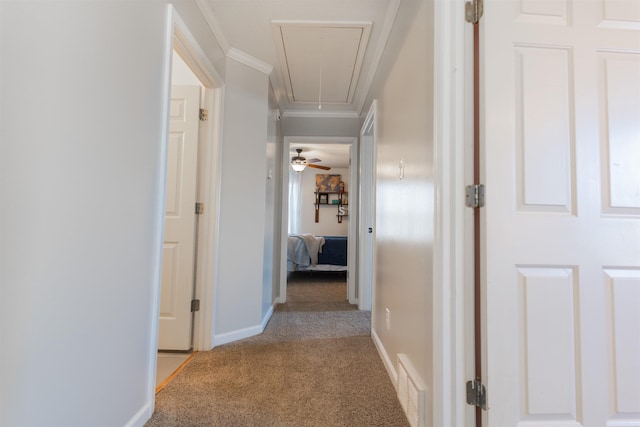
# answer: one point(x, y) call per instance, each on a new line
point(180, 227)
point(560, 84)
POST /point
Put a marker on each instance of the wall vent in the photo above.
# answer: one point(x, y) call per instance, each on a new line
point(411, 392)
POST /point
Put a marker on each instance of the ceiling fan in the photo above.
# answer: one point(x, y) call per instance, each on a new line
point(298, 163)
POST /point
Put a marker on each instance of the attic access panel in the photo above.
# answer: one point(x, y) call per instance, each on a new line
point(321, 62)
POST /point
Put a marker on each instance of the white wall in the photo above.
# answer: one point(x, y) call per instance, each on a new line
point(328, 224)
point(405, 207)
point(181, 74)
point(321, 126)
point(272, 207)
point(81, 198)
point(242, 203)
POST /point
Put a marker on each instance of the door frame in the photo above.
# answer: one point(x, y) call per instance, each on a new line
point(352, 278)
point(208, 187)
point(453, 341)
point(367, 210)
point(180, 39)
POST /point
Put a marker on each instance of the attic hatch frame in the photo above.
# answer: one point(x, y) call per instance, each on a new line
point(278, 29)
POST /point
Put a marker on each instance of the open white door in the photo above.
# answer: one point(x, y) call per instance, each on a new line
point(366, 210)
point(178, 258)
point(560, 82)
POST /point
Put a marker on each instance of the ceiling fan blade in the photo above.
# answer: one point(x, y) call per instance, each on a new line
point(326, 168)
point(314, 160)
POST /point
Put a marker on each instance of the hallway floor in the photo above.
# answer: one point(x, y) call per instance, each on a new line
point(314, 365)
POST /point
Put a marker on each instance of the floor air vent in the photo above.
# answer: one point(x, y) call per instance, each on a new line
point(410, 392)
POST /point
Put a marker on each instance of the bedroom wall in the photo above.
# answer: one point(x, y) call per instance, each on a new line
point(328, 224)
point(405, 207)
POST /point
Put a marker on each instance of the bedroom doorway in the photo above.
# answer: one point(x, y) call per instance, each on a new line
point(333, 217)
point(205, 76)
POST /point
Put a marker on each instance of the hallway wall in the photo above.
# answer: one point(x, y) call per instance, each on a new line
point(81, 200)
point(242, 203)
point(273, 207)
point(405, 206)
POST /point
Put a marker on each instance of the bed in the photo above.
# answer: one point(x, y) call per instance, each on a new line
point(306, 252)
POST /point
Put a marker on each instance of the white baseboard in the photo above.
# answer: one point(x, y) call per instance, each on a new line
point(141, 417)
point(386, 361)
point(267, 316)
point(237, 335)
point(244, 333)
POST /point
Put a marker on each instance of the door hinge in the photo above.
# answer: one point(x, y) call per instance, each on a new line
point(473, 11)
point(204, 115)
point(474, 196)
point(477, 394)
point(199, 208)
point(195, 305)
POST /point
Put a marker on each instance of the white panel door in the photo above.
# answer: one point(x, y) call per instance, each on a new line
point(178, 258)
point(560, 114)
point(366, 211)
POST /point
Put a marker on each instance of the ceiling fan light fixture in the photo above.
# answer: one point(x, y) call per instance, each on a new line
point(298, 163)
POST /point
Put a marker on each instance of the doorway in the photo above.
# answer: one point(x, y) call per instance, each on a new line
point(207, 183)
point(324, 214)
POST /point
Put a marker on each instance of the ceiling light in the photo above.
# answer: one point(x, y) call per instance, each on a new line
point(298, 163)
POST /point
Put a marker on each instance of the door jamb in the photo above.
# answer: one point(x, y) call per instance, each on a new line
point(453, 358)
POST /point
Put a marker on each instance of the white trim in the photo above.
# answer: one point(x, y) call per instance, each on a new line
point(240, 334)
point(354, 212)
point(284, 223)
point(450, 341)
point(159, 210)
point(190, 51)
point(211, 197)
point(208, 181)
point(276, 29)
point(386, 360)
point(319, 23)
point(267, 316)
point(387, 26)
point(210, 17)
point(321, 114)
point(250, 61)
point(142, 416)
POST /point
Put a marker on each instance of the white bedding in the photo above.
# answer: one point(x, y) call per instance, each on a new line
point(302, 254)
point(303, 249)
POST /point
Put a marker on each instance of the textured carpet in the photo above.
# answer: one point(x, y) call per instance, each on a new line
point(315, 365)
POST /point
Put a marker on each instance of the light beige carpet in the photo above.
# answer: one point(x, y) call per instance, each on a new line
point(315, 365)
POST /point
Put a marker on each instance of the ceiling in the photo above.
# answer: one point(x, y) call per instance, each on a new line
point(324, 53)
point(332, 155)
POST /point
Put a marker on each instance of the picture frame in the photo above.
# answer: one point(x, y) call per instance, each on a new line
point(323, 198)
point(328, 183)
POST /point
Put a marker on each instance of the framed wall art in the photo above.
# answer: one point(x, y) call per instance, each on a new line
point(327, 183)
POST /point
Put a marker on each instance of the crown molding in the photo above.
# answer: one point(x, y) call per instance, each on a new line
point(209, 16)
point(250, 61)
point(392, 12)
point(320, 114)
